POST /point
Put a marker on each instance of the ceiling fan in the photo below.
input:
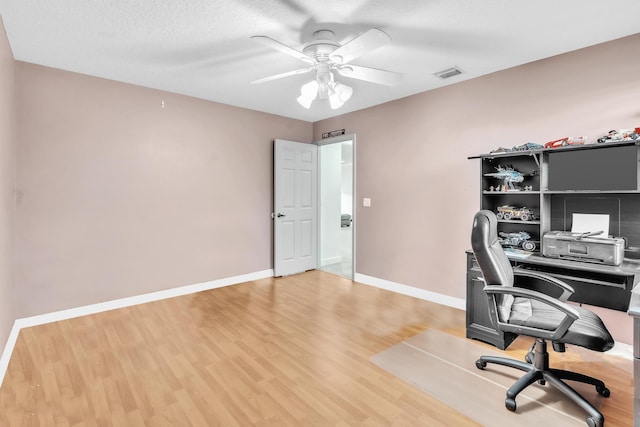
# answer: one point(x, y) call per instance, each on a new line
point(326, 56)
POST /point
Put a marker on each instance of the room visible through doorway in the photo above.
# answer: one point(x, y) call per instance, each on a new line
point(336, 219)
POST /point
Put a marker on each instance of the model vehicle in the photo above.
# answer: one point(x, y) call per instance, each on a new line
point(527, 146)
point(569, 140)
point(508, 212)
point(557, 143)
point(620, 135)
point(508, 175)
point(520, 239)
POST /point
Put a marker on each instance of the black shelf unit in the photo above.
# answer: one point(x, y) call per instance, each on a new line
point(555, 197)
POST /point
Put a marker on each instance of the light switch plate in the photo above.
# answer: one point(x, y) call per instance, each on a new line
point(366, 202)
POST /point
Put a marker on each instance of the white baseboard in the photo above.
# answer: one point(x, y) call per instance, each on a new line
point(411, 291)
point(115, 304)
point(331, 260)
point(8, 350)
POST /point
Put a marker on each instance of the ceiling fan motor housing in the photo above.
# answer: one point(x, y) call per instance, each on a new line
point(321, 46)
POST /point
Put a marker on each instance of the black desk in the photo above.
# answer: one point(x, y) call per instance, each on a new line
point(594, 284)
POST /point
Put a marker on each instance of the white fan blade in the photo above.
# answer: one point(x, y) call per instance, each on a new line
point(274, 44)
point(279, 76)
point(383, 77)
point(362, 44)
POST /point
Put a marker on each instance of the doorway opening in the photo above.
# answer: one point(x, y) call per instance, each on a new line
point(336, 248)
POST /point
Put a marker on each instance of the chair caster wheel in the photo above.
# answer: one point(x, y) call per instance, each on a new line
point(603, 391)
point(510, 404)
point(592, 423)
point(480, 364)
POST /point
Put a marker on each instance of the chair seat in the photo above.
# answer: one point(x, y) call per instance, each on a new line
point(588, 331)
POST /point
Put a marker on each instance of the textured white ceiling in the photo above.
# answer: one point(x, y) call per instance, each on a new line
point(202, 48)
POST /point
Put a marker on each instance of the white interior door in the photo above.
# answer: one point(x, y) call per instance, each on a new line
point(295, 207)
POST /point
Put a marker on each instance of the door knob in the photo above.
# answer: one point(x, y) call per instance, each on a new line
point(280, 215)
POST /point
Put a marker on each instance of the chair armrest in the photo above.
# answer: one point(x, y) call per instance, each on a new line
point(566, 289)
point(571, 314)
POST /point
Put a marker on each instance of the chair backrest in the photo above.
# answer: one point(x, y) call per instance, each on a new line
point(494, 264)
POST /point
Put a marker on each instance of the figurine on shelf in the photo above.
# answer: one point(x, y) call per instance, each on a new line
point(508, 175)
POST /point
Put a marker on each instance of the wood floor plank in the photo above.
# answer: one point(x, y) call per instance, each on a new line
point(290, 351)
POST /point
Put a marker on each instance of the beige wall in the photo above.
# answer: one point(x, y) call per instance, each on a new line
point(7, 184)
point(118, 196)
point(412, 155)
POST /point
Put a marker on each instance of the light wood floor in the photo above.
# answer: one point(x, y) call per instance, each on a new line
point(275, 352)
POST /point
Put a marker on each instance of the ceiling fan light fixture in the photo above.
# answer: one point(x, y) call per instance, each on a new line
point(324, 78)
point(308, 92)
point(305, 102)
point(327, 56)
point(341, 94)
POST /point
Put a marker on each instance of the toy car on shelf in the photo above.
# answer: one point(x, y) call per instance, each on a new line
point(527, 146)
point(569, 140)
point(508, 212)
point(521, 239)
point(620, 135)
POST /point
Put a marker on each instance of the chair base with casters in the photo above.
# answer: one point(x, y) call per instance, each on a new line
point(537, 370)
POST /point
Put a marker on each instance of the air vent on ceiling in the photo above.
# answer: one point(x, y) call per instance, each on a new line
point(449, 72)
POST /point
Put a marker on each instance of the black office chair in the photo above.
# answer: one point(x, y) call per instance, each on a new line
point(529, 312)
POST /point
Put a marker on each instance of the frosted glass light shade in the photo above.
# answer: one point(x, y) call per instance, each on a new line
point(308, 92)
point(341, 94)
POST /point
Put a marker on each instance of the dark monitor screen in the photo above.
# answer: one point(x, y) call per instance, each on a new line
point(610, 168)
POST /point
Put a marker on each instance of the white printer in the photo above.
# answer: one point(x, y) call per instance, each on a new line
point(584, 247)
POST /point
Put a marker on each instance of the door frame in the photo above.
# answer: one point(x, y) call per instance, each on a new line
point(334, 140)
